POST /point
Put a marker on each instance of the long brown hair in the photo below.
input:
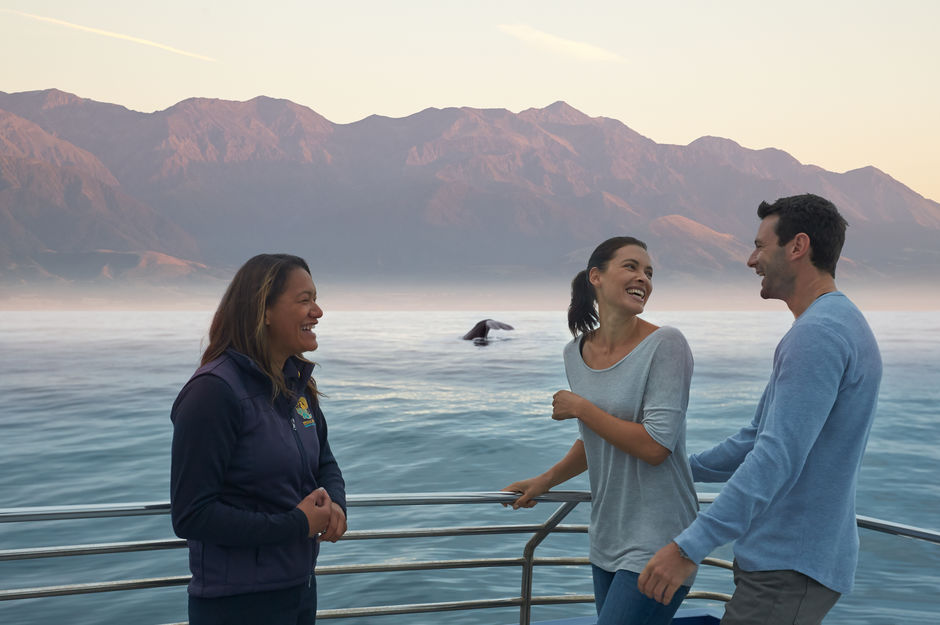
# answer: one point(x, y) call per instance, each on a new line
point(239, 320)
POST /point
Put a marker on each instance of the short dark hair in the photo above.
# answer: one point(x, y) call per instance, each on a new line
point(814, 216)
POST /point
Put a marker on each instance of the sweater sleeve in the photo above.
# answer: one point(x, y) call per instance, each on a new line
point(808, 370)
point(206, 419)
point(720, 462)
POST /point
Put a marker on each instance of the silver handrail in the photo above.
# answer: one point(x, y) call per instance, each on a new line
point(568, 500)
point(55, 513)
point(528, 556)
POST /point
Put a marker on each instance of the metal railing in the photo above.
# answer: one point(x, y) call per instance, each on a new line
point(568, 501)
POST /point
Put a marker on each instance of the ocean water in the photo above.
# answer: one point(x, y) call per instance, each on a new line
point(84, 411)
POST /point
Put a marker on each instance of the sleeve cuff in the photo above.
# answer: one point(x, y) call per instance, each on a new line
point(302, 523)
point(694, 543)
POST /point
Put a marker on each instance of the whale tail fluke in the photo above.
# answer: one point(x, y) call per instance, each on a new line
point(483, 327)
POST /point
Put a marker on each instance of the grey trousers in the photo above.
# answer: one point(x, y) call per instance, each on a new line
point(777, 598)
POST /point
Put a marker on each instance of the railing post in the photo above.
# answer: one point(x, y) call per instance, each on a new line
point(528, 555)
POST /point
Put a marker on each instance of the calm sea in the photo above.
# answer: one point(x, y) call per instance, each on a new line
point(84, 408)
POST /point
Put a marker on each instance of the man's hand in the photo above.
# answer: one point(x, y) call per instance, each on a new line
point(664, 573)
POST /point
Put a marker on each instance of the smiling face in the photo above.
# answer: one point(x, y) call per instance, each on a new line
point(770, 262)
point(626, 282)
point(291, 318)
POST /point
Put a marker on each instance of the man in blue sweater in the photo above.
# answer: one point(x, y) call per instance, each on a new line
point(789, 499)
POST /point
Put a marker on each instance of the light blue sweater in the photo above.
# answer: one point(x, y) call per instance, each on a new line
point(789, 500)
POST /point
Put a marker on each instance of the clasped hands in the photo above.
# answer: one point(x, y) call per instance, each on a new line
point(324, 516)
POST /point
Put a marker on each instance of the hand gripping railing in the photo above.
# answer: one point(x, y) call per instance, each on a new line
point(525, 601)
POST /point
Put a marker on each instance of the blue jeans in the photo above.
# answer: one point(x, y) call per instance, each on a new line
point(619, 601)
point(290, 606)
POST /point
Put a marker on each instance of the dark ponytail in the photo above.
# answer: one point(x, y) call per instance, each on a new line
point(582, 314)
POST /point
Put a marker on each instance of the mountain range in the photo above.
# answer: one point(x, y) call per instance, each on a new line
point(94, 193)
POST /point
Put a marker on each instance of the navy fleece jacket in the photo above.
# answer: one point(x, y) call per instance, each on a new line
point(240, 465)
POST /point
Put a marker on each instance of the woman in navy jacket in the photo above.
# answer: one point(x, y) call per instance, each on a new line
point(254, 486)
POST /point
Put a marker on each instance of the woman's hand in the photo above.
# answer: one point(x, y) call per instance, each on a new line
point(337, 526)
point(317, 508)
point(529, 489)
point(566, 405)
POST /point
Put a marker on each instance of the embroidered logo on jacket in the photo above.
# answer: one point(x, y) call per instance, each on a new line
point(304, 411)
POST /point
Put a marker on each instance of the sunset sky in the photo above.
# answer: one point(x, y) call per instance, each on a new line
point(839, 84)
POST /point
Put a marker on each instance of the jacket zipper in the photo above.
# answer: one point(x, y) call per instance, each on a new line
point(300, 445)
point(304, 459)
point(305, 465)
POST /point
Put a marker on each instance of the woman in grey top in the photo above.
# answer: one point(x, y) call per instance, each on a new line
point(629, 392)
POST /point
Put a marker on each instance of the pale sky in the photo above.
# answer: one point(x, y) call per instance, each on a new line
point(839, 84)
